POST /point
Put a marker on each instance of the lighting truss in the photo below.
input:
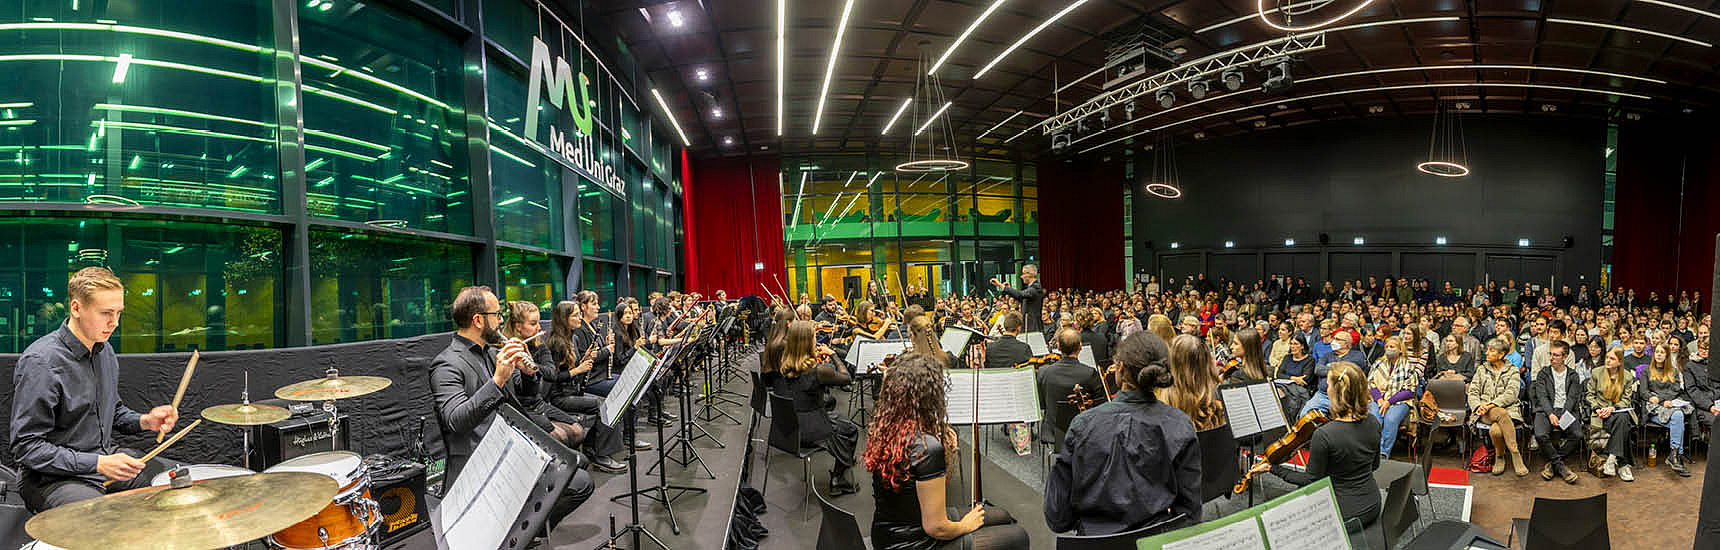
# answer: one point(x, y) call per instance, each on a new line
point(1188, 71)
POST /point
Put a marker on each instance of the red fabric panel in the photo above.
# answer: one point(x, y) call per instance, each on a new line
point(734, 213)
point(1081, 224)
point(1645, 210)
point(1701, 201)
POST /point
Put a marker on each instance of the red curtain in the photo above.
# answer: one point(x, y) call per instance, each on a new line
point(1081, 224)
point(734, 223)
point(1663, 227)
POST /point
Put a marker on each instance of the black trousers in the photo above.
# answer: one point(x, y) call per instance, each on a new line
point(43, 491)
point(1618, 428)
point(601, 440)
point(844, 439)
point(999, 532)
point(1568, 440)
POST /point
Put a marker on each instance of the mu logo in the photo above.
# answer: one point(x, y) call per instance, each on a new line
point(562, 91)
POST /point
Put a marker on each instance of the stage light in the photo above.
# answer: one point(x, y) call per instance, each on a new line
point(781, 61)
point(728, 140)
point(1230, 244)
point(1105, 118)
point(987, 13)
point(1165, 97)
point(1129, 110)
point(1523, 243)
point(1289, 242)
point(1024, 38)
point(675, 18)
point(1197, 89)
point(758, 266)
point(716, 112)
point(704, 75)
point(1279, 79)
point(1175, 245)
point(1439, 241)
point(899, 111)
point(830, 67)
point(1358, 241)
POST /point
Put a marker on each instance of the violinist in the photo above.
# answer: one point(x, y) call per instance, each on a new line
point(827, 310)
point(1059, 379)
point(1345, 449)
point(1247, 356)
point(1008, 351)
point(802, 372)
point(1131, 462)
point(870, 323)
point(924, 339)
point(1195, 391)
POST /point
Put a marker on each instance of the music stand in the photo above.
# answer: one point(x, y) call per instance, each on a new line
point(685, 436)
point(542, 491)
point(714, 393)
point(1251, 408)
point(619, 407)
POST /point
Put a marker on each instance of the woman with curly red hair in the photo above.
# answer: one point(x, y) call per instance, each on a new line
point(909, 447)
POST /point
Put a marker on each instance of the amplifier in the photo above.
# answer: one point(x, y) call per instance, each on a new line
point(398, 487)
point(303, 433)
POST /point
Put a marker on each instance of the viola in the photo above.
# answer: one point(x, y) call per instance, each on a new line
point(1280, 450)
point(1081, 399)
point(1041, 361)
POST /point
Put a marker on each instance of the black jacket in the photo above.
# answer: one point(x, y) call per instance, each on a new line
point(1541, 394)
point(461, 380)
point(1006, 352)
point(1032, 301)
point(1701, 388)
point(1058, 380)
point(1098, 341)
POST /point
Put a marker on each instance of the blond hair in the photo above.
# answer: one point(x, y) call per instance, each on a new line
point(88, 280)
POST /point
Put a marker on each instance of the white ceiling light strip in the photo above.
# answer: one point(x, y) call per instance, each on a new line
point(1028, 36)
point(671, 115)
point(781, 61)
point(987, 13)
point(1379, 89)
point(1679, 7)
point(899, 111)
point(1629, 29)
point(933, 117)
point(1260, 10)
point(1254, 15)
point(999, 125)
point(830, 68)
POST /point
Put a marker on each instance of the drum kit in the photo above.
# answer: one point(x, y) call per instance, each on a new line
point(316, 501)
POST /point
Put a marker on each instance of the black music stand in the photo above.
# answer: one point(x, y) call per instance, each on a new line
point(718, 344)
point(564, 464)
point(628, 403)
point(685, 436)
point(659, 492)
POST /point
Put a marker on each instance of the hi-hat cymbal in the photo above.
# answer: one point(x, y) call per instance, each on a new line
point(333, 387)
point(209, 514)
point(245, 414)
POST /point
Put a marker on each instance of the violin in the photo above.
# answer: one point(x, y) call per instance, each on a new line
point(1280, 450)
point(1230, 368)
point(1041, 361)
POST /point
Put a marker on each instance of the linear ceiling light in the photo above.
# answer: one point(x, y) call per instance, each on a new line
point(121, 67)
point(1629, 29)
point(671, 115)
point(1679, 7)
point(830, 68)
point(781, 26)
point(1378, 89)
point(1254, 15)
point(1028, 36)
point(933, 117)
point(1508, 67)
point(964, 35)
point(999, 125)
point(899, 111)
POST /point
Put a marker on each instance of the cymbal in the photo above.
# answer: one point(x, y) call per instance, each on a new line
point(245, 414)
point(333, 387)
point(209, 514)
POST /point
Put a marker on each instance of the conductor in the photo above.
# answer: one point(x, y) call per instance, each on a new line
point(1032, 297)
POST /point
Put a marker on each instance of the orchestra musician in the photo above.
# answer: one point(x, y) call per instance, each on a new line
point(1007, 351)
point(910, 446)
point(598, 381)
point(1250, 356)
point(924, 339)
point(66, 404)
point(871, 323)
point(1195, 387)
point(562, 373)
point(470, 379)
point(1131, 462)
point(521, 323)
point(803, 372)
point(1345, 449)
point(1031, 297)
point(1059, 379)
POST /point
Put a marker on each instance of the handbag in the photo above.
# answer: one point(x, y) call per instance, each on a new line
point(1481, 460)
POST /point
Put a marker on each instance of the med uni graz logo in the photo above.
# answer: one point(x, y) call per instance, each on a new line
point(559, 78)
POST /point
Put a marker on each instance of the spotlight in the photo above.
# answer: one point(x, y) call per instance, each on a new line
point(1232, 79)
point(1176, 245)
point(716, 112)
point(1289, 242)
point(675, 18)
point(1197, 89)
point(1059, 141)
point(1278, 79)
point(1081, 126)
point(1105, 118)
point(728, 140)
point(1439, 241)
point(1166, 98)
point(1523, 243)
point(1129, 110)
point(1358, 241)
point(704, 75)
point(1230, 244)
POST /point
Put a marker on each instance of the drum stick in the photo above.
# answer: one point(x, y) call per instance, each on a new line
point(162, 447)
point(190, 367)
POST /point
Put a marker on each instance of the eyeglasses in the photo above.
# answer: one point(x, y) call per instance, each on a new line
point(497, 313)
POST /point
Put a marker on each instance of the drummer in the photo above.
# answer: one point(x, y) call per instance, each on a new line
point(66, 405)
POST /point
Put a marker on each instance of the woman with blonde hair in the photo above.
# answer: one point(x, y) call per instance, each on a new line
point(1160, 325)
point(1344, 449)
point(1194, 383)
point(1393, 386)
point(1666, 384)
point(1611, 392)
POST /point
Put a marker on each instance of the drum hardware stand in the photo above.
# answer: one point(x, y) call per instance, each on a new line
point(684, 437)
point(245, 398)
point(333, 415)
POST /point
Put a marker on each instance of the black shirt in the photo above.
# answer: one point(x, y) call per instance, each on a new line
point(66, 406)
point(1348, 452)
point(1006, 352)
point(896, 522)
point(1127, 463)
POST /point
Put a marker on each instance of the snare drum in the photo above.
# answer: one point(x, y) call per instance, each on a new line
point(200, 472)
point(346, 523)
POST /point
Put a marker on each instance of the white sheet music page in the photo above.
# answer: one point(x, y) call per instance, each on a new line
point(955, 339)
point(1085, 356)
point(1266, 407)
point(484, 501)
point(1307, 522)
point(1036, 342)
point(854, 349)
point(1242, 535)
point(1005, 396)
point(626, 386)
point(1239, 409)
point(870, 354)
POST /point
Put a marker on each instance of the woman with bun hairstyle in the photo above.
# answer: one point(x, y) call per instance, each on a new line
point(1132, 461)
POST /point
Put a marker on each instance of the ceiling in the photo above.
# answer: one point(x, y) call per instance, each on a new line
point(734, 43)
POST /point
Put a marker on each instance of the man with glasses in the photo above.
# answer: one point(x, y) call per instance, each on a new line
point(470, 379)
point(1031, 297)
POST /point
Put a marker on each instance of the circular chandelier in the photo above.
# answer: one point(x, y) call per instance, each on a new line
point(1290, 11)
point(932, 165)
point(110, 202)
point(1443, 169)
point(1446, 155)
point(1164, 190)
point(936, 151)
point(1163, 180)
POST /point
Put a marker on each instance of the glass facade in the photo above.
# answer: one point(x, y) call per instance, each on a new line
point(173, 143)
point(853, 219)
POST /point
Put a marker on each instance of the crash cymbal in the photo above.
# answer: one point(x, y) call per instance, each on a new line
point(208, 514)
point(245, 414)
point(333, 387)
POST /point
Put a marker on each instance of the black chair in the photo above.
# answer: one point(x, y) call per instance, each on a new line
point(1398, 513)
point(785, 436)
point(1453, 398)
point(1120, 541)
point(760, 404)
point(1218, 463)
point(1557, 524)
point(840, 530)
point(1052, 431)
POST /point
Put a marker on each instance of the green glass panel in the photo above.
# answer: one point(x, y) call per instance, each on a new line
point(369, 286)
point(530, 276)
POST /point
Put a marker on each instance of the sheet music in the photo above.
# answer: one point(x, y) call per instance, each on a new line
point(1240, 411)
point(1242, 535)
point(1307, 522)
point(1266, 407)
point(1674, 403)
point(870, 353)
point(1085, 356)
point(955, 339)
point(624, 392)
point(482, 504)
point(1005, 396)
point(1036, 342)
point(854, 349)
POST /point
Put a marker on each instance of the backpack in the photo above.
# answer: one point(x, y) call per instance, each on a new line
point(1481, 460)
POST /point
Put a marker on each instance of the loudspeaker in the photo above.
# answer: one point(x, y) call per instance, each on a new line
point(303, 433)
point(1325, 239)
point(1568, 241)
point(398, 487)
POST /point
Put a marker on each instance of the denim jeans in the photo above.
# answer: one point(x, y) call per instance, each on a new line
point(1318, 401)
point(1389, 423)
point(1676, 426)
